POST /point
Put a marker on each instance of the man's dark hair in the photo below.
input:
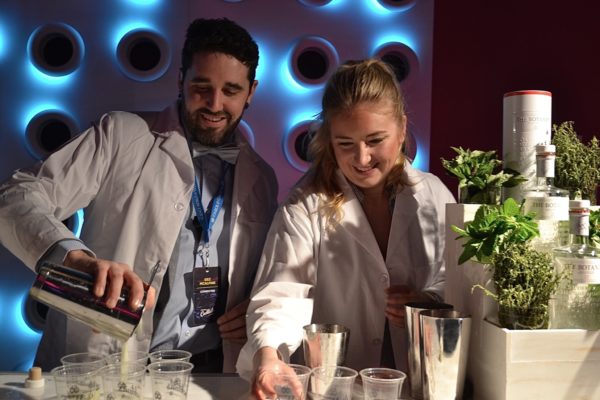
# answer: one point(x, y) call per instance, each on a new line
point(220, 36)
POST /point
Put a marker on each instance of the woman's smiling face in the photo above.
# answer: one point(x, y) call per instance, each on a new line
point(366, 142)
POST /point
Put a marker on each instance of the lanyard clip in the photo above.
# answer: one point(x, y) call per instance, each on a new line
point(204, 253)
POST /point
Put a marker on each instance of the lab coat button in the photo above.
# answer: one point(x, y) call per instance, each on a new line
point(179, 206)
point(384, 278)
point(376, 342)
point(188, 333)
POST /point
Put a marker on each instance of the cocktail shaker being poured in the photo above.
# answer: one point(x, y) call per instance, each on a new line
point(71, 291)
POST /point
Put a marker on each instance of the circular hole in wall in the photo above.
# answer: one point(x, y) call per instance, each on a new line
point(314, 3)
point(143, 55)
point(74, 222)
point(56, 49)
point(410, 146)
point(400, 57)
point(397, 5)
point(48, 131)
point(34, 313)
point(296, 143)
point(313, 58)
point(245, 129)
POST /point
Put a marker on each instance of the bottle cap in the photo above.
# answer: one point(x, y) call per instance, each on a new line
point(545, 148)
point(34, 378)
point(579, 204)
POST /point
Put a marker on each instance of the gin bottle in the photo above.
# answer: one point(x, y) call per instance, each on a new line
point(550, 204)
point(576, 304)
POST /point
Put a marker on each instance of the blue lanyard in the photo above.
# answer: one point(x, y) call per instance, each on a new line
point(208, 218)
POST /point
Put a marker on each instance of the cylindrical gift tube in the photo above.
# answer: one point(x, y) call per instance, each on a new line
point(526, 122)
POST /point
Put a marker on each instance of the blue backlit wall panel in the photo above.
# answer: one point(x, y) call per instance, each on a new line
point(282, 109)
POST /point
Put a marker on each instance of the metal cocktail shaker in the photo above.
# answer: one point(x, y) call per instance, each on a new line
point(413, 327)
point(325, 344)
point(71, 291)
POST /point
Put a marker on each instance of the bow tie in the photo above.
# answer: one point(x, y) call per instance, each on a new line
point(227, 152)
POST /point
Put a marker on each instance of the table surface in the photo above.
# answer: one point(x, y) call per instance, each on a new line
point(202, 387)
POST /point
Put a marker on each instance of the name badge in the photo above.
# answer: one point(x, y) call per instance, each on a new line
point(206, 292)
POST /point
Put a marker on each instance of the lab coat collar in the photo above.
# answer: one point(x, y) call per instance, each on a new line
point(405, 208)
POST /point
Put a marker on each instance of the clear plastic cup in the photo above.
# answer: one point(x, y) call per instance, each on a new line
point(382, 383)
point(303, 374)
point(170, 379)
point(80, 380)
point(331, 382)
point(124, 381)
point(289, 385)
point(129, 357)
point(92, 360)
point(170, 355)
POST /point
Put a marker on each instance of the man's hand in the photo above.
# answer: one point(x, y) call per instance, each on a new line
point(111, 276)
point(232, 324)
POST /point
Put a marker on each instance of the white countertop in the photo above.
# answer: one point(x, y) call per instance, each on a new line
point(202, 387)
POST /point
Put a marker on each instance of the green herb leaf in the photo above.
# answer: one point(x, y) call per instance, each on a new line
point(493, 229)
point(480, 175)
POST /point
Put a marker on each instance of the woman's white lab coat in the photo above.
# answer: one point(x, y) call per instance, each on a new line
point(310, 274)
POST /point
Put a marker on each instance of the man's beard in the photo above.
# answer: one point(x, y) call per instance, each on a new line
point(208, 136)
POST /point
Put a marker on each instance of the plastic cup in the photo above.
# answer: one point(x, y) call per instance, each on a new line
point(130, 357)
point(303, 374)
point(285, 383)
point(382, 383)
point(124, 381)
point(170, 355)
point(332, 383)
point(79, 380)
point(170, 379)
point(90, 360)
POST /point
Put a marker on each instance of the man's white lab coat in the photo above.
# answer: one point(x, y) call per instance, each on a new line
point(135, 183)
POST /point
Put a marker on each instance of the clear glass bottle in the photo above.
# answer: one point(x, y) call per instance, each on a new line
point(576, 304)
point(550, 204)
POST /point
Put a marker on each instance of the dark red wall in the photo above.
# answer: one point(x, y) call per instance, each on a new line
point(483, 49)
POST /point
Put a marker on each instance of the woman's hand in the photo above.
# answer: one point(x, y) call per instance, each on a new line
point(271, 371)
point(397, 297)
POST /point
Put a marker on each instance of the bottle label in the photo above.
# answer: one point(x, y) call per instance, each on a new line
point(580, 225)
point(585, 270)
point(545, 166)
point(548, 207)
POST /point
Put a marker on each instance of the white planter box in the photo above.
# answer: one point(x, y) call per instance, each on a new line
point(516, 364)
point(536, 364)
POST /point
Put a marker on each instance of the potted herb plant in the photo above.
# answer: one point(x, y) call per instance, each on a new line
point(523, 277)
point(577, 163)
point(480, 176)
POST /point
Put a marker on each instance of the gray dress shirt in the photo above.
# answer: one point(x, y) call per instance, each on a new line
point(174, 320)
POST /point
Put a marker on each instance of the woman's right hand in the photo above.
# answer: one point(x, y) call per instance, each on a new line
point(268, 372)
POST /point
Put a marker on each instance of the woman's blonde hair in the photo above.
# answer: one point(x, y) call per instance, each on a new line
point(354, 82)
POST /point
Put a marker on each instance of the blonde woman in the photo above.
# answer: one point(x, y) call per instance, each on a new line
point(361, 235)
